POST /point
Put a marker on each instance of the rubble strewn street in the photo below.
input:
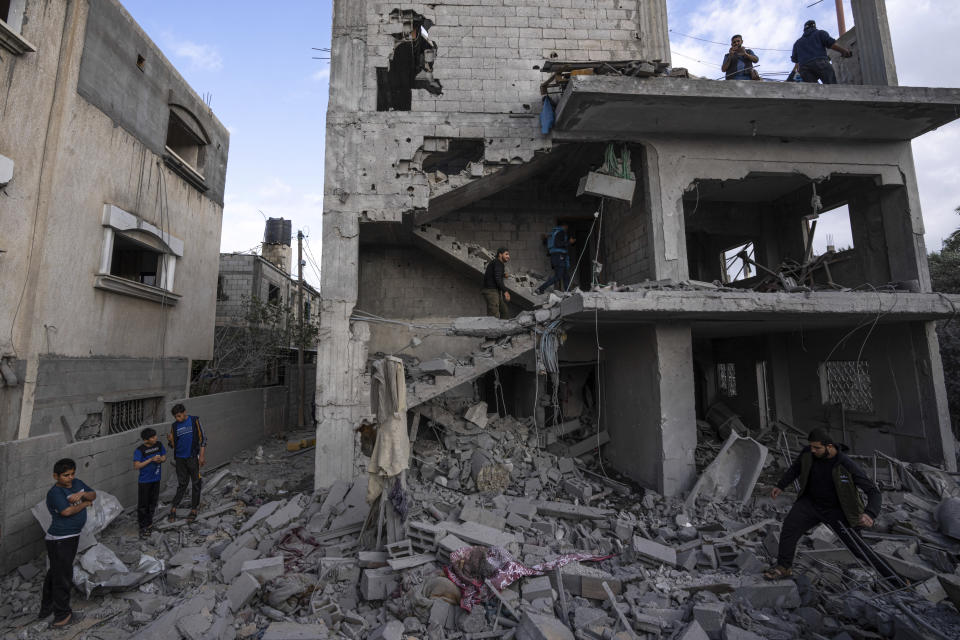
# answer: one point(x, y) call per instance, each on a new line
point(487, 502)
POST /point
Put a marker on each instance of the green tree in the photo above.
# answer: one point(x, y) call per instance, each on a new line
point(263, 336)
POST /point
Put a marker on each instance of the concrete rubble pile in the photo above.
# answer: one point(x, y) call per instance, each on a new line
point(269, 559)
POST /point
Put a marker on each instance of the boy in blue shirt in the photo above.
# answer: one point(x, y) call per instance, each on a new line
point(67, 502)
point(148, 459)
point(189, 445)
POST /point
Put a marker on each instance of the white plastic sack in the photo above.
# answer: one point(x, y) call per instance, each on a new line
point(100, 570)
point(102, 512)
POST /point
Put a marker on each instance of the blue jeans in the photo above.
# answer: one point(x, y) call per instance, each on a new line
point(560, 262)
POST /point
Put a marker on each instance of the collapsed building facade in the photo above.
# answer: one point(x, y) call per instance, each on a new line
point(436, 157)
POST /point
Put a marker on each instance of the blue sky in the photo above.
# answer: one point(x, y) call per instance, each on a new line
point(272, 95)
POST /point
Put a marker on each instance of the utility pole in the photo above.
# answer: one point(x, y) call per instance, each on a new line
point(300, 342)
point(841, 21)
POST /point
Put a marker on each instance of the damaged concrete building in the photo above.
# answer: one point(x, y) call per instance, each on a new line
point(700, 296)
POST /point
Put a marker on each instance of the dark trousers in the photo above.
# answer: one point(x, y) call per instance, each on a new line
point(188, 470)
point(59, 579)
point(496, 304)
point(560, 262)
point(820, 70)
point(148, 494)
point(804, 516)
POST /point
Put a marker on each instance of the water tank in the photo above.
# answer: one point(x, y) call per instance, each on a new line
point(279, 231)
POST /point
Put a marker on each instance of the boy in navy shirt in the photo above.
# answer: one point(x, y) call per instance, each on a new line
point(67, 502)
point(189, 447)
point(148, 459)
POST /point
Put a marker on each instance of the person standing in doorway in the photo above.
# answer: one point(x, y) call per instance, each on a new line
point(810, 54)
point(189, 445)
point(67, 502)
point(494, 289)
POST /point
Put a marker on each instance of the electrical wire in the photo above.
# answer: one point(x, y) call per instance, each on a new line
point(726, 44)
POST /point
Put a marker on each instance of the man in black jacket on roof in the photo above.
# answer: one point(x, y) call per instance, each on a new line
point(830, 484)
point(494, 289)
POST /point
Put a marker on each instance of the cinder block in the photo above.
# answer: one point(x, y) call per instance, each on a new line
point(264, 569)
point(242, 591)
point(378, 584)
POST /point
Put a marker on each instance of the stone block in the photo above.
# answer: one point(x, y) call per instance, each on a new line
point(538, 587)
point(264, 569)
point(179, 577)
point(733, 632)
point(439, 367)
point(393, 630)
point(577, 488)
point(710, 617)
point(768, 595)
point(296, 631)
point(231, 568)
point(246, 540)
point(653, 553)
point(188, 556)
point(283, 516)
point(194, 626)
point(242, 591)
point(477, 414)
point(537, 627)
point(694, 632)
point(378, 584)
point(473, 513)
point(264, 512)
point(148, 604)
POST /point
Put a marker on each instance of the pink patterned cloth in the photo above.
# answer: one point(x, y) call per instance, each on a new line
point(502, 570)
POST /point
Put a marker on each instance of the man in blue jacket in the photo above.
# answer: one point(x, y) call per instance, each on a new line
point(67, 502)
point(558, 248)
point(810, 54)
point(189, 445)
point(830, 484)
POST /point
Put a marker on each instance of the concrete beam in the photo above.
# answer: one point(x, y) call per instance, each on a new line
point(874, 45)
point(612, 107)
point(765, 311)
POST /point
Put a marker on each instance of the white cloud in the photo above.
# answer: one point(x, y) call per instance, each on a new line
point(322, 74)
point(203, 57)
point(274, 187)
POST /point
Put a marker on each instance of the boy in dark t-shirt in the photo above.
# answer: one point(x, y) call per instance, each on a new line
point(67, 501)
point(148, 459)
point(189, 445)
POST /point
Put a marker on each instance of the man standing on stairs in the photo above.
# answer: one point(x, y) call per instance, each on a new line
point(494, 289)
point(558, 250)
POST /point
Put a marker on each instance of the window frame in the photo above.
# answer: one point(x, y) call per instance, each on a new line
point(11, 37)
point(116, 220)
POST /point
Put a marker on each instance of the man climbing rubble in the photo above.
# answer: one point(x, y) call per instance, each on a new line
point(810, 54)
point(830, 484)
point(558, 250)
point(494, 289)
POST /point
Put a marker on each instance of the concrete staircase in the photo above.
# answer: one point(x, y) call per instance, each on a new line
point(483, 360)
point(472, 259)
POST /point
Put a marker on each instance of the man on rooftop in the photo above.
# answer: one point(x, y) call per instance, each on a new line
point(738, 62)
point(810, 54)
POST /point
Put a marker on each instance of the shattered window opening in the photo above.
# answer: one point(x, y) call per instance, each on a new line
point(736, 262)
point(273, 294)
point(727, 379)
point(453, 155)
point(135, 261)
point(184, 141)
point(410, 63)
point(127, 415)
point(831, 231)
point(847, 384)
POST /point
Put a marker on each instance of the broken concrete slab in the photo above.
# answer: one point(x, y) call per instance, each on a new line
point(264, 512)
point(283, 516)
point(378, 584)
point(710, 616)
point(768, 595)
point(733, 632)
point(231, 569)
point(477, 414)
point(476, 533)
point(539, 627)
point(264, 569)
point(652, 553)
point(296, 631)
point(572, 511)
point(242, 591)
point(439, 367)
point(694, 632)
point(733, 472)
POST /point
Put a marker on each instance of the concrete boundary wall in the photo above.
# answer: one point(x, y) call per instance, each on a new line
point(233, 421)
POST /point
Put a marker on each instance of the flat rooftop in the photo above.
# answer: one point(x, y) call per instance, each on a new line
point(605, 107)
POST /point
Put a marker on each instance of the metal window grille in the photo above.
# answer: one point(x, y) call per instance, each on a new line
point(128, 414)
point(727, 379)
point(847, 384)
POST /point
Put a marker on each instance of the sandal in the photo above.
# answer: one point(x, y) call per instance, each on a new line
point(192, 517)
point(777, 573)
point(64, 623)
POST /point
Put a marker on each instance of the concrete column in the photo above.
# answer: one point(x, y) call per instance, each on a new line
point(653, 30)
point(933, 394)
point(649, 405)
point(873, 42)
point(668, 243)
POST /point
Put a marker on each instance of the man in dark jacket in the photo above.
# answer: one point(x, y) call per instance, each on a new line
point(810, 54)
point(189, 445)
point(558, 248)
point(494, 289)
point(738, 62)
point(830, 485)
